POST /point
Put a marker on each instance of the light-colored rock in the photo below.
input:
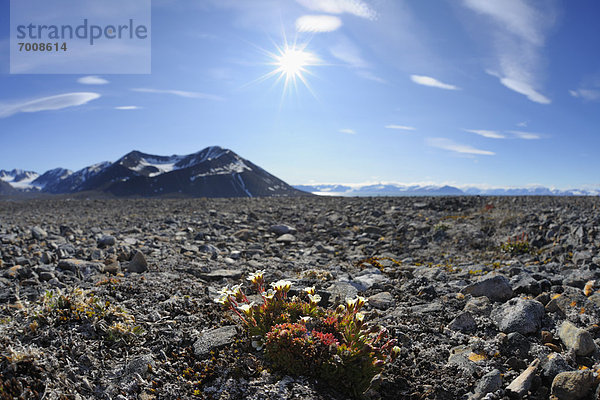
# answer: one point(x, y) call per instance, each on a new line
point(286, 238)
point(577, 339)
point(213, 339)
point(38, 233)
point(519, 315)
point(488, 383)
point(572, 385)
point(382, 300)
point(520, 386)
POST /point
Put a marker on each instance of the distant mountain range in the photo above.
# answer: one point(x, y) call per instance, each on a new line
point(219, 172)
point(433, 190)
point(212, 172)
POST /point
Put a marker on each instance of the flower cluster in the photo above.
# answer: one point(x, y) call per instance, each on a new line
point(300, 337)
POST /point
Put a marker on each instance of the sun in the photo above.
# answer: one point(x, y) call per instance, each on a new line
point(292, 63)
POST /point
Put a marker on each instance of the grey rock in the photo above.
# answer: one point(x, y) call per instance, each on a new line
point(463, 322)
point(140, 365)
point(364, 282)
point(496, 288)
point(488, 383)
point(459, 356)
point(46, 276)
point(221, 273)
point(582, 257)
point(339, 292)
point(138, 264)
point(213, 339)
point(382, 300)
point(208, 248)
point(519, 315)
point(553, 365)
point(107, 240)
point(81, 268)
point(577, 339)
point(38, 233)
point(282, 229)
point(572, 385)
point(478, 306)
point(286, 238)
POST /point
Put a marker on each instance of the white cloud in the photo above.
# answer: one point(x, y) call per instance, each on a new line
point(92, 80)
point(518, 37)
point(516, 16)
point(180, 93)
point(486, 133)
point(447, 144)
point(355, 7)
point(318, 23)
point(400, 127)
point(526, 89)
point(522, 124)
point(348, 131)
point(586, 94)
point(345, 51)
point(526, 135)
point(128, 108)
point(48, 103)
point(348, 53)
point(432, 82)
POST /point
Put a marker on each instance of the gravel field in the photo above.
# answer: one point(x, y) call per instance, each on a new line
point(488, 297)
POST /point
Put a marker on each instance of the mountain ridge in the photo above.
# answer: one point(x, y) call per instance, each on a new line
point(396, 189)
point(211, 172)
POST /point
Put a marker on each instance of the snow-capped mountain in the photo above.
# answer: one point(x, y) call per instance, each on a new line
point(19, 179)
point(212, 172)
point(51, 177)
point(391, 189)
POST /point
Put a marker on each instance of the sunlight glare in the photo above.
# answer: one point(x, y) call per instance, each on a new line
point(291, 65)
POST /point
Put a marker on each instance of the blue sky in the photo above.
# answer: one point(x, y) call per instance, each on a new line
point(486, 92)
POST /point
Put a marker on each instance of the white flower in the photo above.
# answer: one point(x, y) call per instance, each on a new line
point(256, 277)
point(269, 294)
point(314, 299)
point(282, 286)
point(223, 299)
point(246, 308)
point(310, 290)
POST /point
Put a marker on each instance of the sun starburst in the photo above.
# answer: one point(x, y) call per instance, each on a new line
point(291, 65)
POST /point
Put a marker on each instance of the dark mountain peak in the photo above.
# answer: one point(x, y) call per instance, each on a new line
point(51, 176)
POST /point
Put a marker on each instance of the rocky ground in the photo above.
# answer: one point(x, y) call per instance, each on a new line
point(113, 299)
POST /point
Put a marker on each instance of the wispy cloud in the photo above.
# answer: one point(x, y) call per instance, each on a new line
point(180, 93)
point(318, 23)
point(128, 108)
point(345, 51)
point(586, 94)
point(522, 124)
point(526, 135)
point(447, 144)
point(486, 133)
point(92, 80)
point(432, 82)
point(400, 127)
point(518, 37)
point(356, 7)
point(348, 131)
point(48, 103)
